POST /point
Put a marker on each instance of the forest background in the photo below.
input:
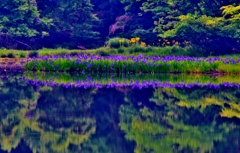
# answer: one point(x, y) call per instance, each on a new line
point(203, 25)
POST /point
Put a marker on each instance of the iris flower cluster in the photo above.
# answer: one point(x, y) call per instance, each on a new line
point(132, 64)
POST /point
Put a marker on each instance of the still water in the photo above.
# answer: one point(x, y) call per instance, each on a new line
point(55, 113)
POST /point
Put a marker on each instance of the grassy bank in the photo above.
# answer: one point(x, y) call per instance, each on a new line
point(133, 64)
point(104, 51)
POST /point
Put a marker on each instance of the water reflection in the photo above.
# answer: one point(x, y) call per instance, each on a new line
point(47, 118)
point(134, 81)
point(170, 125)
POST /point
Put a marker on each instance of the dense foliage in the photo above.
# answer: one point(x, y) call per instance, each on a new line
point(209, 27)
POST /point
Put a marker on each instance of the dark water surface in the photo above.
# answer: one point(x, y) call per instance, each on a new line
point(56, 118)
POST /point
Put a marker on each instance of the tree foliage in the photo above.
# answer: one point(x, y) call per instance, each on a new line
point(210, 26)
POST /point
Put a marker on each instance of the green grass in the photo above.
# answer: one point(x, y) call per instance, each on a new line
point(131, 50)
point(13, 54)
point(105, 65)
point(42, 52)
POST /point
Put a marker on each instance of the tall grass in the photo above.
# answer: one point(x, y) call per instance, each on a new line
point(133, 64)
point(131, 50)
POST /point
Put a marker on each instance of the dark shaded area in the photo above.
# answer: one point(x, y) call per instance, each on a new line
point(22, 148)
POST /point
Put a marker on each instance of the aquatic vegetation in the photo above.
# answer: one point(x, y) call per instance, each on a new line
point(133, 64)
point(132, 81)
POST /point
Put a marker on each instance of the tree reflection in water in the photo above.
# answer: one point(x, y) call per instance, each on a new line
point(47, 119)
point(120, 119)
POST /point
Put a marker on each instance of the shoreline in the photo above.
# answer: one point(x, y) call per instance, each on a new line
point(11, 65)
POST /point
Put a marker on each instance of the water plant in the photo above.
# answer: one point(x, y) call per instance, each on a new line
point(133, 64)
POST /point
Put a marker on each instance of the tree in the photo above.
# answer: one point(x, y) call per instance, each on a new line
point(107, 11)
point(20, 20)
point(134, 23)
point(72, 20)
point(219, 34)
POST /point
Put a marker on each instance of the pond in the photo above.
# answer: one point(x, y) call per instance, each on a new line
point(61, 112)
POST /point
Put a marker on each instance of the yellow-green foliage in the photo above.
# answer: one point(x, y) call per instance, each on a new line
point(118, 42)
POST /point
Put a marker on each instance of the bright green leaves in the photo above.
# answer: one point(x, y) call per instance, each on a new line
point(193, 26)
point(231, 15)
point(231, 10)
point(25, 19)
point(19, 18)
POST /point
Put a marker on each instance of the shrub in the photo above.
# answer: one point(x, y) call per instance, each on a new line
point(118, 42)
point(11, 55)
point(104, 53)
point(197, 51)
point(120, 50)
point(149, 49)
point(3, 56)
point(131, 50)
point(176, 50)
point(136, 49)
point(140, 49)
point(22, 55)
point(113, 51)
point(33, 54)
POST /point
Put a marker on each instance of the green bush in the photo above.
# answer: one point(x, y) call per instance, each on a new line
point(137, 49)
point(177, 50)
point(115, 42)
point(11, 55)
point(140, 49)
point(113, 51)
point(120, 50)
point(197, 51)
point(131, 50)
point(3, 56)
point(149, 49)
point(22, 55)
point(33, 54)
point(104, 53)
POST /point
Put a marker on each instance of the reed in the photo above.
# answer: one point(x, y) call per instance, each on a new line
point(133, 64)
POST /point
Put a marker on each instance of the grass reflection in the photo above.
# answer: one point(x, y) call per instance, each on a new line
point(135, 81)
